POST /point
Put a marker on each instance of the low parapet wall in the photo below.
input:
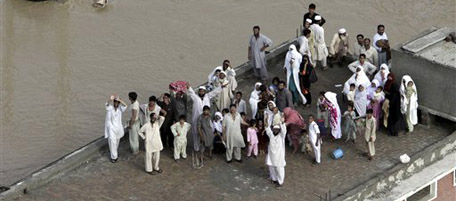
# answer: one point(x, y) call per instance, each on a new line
point(387, 180)
point(84, 154)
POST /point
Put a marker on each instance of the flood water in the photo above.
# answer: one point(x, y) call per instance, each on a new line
point(60, 60)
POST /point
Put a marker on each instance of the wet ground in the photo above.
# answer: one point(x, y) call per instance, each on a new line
point(217, 180)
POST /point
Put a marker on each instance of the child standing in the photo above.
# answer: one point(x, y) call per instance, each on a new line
point(322, 108)
point(180, 130)
point(370, 133)
point(350, 125)
point(277, 117)
point(351, 93)
point(252, 139)
point(263, 139)
point(376, 104)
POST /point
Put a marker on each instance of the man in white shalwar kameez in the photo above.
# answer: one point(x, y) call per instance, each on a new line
point(150, 132)
point(338, 48)
point(303, 41)
point(320, 45)
point(199, 101)
point(370, 52)
point(275, 158)
point(292, 64)
point(256, 55)
point(315, 139)
point(134, 124)
point(232, 134)
point(381, 52)
point(180, 130)
point(113, 125)
point(367, 66)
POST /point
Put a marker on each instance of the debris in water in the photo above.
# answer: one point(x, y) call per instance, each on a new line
point(100, 3)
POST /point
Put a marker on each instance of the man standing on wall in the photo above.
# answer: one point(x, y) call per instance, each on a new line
point(256, 55)
point(311, 15)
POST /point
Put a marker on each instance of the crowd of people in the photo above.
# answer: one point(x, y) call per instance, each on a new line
point(221, 123)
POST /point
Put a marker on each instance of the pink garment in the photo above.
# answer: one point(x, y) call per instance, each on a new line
point(178, 86)
point(253, 141)
point(295, 123)
point(253, 148)
point(293, 117)
point(252, 136)
point(377, 111)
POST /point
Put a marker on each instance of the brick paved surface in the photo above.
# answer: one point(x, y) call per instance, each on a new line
point(217, 180)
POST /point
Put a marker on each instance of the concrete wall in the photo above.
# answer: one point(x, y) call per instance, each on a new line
point(390, 178)
point(91, 150)
point(436, 84)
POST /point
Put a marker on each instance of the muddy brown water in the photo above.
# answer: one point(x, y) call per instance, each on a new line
point(60, 60)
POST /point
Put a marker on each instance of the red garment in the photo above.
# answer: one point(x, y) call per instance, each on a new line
point(293, 117)
point(389, 82)
point(295, 124)
point(178, 86)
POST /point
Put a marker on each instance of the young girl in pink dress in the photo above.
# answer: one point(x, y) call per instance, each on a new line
point(252, 139)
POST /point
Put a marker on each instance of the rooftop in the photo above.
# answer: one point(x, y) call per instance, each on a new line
point(126, 180)
point(432, 47)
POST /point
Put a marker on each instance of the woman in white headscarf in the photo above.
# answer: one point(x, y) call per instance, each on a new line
point(358, 78)
point(292, 64)
point(361, 100)
point(372, 88)
point(211, 77)
point(269, 114)
point(409, 101)
point(254, 99)
point(217, 123)
point(223, 98)
point(334, 113)
point(382, 75)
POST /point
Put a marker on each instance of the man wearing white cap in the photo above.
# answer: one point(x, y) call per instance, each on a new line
point(275, 158)
point(199, 101)
point(320, 45)
point(339, 47)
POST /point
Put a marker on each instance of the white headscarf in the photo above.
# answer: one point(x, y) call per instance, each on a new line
point(217, 125)
point(211, 75)
point(336, 131)
point(254, 99)
point(269, 113)
point(358, 78)
point(413, 99)
point(361, 101)
point(371, 89)
point(385, 69)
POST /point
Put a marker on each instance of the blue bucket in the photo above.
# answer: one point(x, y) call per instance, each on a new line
point(338, 153)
